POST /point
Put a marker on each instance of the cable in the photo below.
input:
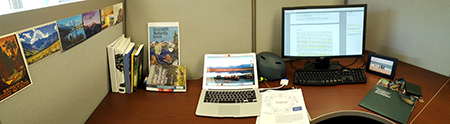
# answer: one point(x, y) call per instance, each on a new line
point(364, 63)
point(266, 84)
point(264, 89)
point(291, 61)
point(352, 63)
point(310, 63)
point(283, 82)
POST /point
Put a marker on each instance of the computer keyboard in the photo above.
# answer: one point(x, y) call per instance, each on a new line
point(323, 77)
point(244, 96)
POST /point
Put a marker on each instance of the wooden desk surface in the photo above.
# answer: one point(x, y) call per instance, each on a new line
point(158, 107)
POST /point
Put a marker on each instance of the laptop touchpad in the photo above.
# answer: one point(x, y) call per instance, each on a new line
point(229, 110)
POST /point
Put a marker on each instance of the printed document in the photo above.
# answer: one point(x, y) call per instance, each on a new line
point(283, 107)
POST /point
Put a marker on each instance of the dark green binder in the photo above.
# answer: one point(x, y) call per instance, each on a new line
point(387, 103)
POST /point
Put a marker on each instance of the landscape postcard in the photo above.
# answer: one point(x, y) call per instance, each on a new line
point(118, 13)
point(39, 42)
point(71, 31)
point(92, 23)
point(107, 17)
point(14, 73)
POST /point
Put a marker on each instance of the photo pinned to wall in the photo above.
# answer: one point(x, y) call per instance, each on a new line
point(92, 23)
point(13, 69)
point(71, 31)
point(118, 13)
point(107, 17)
point(381, 65)
point(163, 43)
point(39, 42)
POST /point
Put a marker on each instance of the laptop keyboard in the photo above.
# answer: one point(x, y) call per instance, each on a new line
point(240, 96)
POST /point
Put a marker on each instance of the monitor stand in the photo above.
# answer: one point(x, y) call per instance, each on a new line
point(322, 64)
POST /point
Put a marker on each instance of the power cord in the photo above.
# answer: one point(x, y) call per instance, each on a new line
point(283, 82)
point(291, 61)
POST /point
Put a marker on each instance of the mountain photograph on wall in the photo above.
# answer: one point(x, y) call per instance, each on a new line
point(71, 31)
point(39, 42)
point(92, 23)
point(118, 13)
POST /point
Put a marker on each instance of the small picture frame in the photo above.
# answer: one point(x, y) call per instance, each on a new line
point(381, 65)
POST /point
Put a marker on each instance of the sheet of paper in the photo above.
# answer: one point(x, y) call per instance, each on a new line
point(283, 107)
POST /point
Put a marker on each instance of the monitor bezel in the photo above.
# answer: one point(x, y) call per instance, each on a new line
point(322, 7)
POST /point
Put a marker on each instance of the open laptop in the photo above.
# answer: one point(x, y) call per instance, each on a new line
point(225, 74)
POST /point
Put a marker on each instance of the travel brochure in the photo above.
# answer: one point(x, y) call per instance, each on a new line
point(163, 42)
point(167, 78)
point(165, 72)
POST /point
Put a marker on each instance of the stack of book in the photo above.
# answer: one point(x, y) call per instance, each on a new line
point(125, 59)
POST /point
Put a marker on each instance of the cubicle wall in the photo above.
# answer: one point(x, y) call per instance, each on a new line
point(268, 21)
point(67, 86)
point(206, 26)
point(211, 26)
point(416, 32)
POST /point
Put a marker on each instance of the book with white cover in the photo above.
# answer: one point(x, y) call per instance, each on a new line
point(112, 63)
point(119, 63)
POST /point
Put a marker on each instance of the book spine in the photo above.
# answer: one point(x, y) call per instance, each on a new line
point(135, 73)
point(119, 75)
point(131, 76)
point(112, 70)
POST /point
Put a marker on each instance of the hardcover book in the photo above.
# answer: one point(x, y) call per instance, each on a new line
point(120, 53)
point(387, 103)
point(111, 49)
point(137, 61)
point(127, 67)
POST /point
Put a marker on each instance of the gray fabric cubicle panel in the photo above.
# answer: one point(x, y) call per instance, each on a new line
point(67, 86)
point(268, 21)
point(206, 26)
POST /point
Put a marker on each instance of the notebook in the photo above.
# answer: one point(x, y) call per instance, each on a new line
point(225, 73)
point(387, 103)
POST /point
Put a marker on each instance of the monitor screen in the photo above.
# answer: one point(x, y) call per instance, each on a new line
point(323, 31)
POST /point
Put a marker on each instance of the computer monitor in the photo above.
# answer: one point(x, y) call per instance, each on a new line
point(323, 33)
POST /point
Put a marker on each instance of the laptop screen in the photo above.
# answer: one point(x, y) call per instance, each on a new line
point(230, 71)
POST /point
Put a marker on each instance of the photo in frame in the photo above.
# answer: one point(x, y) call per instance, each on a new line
point(381, 65)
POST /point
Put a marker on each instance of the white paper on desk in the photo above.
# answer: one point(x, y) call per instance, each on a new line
point(283, 107)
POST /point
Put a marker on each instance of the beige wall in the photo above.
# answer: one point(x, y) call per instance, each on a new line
point(414, 31)
point(67, 86)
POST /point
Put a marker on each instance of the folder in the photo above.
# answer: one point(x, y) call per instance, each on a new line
point(387, 103)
